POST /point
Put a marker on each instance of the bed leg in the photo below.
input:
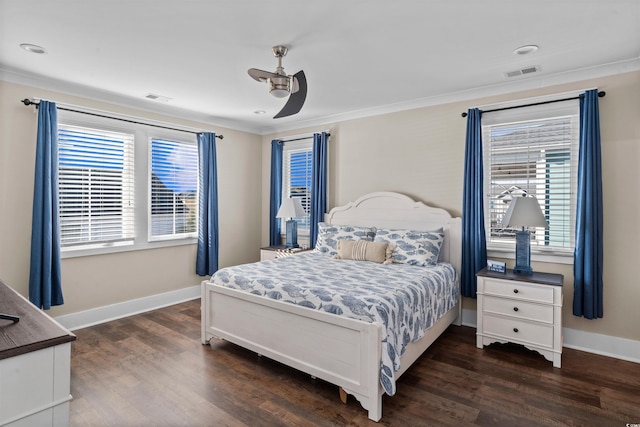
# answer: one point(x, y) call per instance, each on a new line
point(343, 395)
point(375, 413)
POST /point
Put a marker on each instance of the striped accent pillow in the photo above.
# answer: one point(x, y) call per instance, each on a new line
point(363, 250)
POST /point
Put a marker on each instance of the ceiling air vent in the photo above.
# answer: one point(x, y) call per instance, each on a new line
point(523, 71)
point(155, 97)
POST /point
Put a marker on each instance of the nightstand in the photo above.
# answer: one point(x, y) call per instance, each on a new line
point(273, 252)
point(521, 309)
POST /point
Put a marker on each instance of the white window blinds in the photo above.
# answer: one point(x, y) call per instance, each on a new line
point(297, 164)
point(174, 189)
point(95, 186)
point(534, 157)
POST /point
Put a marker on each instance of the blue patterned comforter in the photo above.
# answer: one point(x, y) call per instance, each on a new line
point(406, 299)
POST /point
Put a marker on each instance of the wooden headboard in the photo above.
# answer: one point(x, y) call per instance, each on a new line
point(395, 210)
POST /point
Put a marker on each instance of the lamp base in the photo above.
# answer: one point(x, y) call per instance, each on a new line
point(292, 234)
point(523, 253)
point(525, 271)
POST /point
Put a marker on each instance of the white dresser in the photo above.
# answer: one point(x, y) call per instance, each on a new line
point(35, 365)
point(522, 309)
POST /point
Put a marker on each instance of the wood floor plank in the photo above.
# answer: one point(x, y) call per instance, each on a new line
point(151, 369)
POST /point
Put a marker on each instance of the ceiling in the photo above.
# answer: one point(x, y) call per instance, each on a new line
point(361, 57)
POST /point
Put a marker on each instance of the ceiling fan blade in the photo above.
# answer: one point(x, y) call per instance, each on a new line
point(296, 100)
point(261, 75)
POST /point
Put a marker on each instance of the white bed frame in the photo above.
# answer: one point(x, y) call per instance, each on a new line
point(342, 351)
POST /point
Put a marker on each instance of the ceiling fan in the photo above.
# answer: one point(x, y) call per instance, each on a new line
point(282, 85)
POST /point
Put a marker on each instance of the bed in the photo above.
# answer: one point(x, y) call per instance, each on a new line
point(354, 350)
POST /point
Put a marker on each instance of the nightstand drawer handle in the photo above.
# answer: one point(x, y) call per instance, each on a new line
point(515, 330)
point(515, 291)
point(515, 308)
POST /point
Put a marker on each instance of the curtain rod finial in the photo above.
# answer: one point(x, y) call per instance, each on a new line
point(27, 101)
point(464, 114)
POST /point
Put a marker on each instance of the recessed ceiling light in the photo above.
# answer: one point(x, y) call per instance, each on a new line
point(33, 48)
point(525, 50)
point(259, 112)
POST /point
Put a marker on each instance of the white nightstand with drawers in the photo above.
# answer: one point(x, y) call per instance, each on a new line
point(521, 309)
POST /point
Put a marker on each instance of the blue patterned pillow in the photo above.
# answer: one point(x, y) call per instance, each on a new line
point(412, 247)
point(328, 236)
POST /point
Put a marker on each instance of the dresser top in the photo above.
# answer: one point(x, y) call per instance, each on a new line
point(537, 277)
point(35, 330)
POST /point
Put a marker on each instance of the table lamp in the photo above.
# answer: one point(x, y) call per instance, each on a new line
point(524, 212)
point(290, 209)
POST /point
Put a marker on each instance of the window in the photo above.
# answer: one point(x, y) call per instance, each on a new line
point(124, 185)
point(96, 199)
point(297, 161)
point(532, 151)
point(173, 210)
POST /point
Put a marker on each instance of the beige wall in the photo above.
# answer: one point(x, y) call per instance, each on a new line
point(421, 152)
point(95, 281)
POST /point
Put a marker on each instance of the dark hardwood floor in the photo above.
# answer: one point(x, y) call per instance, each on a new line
point(150, 369)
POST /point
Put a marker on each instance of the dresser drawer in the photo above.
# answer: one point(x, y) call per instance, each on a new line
point(518, 290)
point(519, 331)
point(519, 309)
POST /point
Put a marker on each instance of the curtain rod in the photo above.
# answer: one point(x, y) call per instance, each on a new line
point(601, 94)
point(28, 102)
point(301, 138)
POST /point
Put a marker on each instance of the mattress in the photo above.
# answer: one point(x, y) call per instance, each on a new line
point(405, 299)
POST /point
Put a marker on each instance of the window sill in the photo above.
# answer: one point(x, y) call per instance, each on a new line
point(82, 252)
point(550, 257)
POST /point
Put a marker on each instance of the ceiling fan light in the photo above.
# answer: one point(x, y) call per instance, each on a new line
point(279, 87)
point(279, 93)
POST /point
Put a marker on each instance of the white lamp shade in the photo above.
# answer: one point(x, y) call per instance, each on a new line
point(524, 212)
point(290, 208)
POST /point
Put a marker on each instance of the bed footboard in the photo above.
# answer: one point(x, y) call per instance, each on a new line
point(342, 351)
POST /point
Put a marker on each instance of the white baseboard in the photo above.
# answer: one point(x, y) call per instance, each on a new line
point(107, 313)
point(605, 345)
